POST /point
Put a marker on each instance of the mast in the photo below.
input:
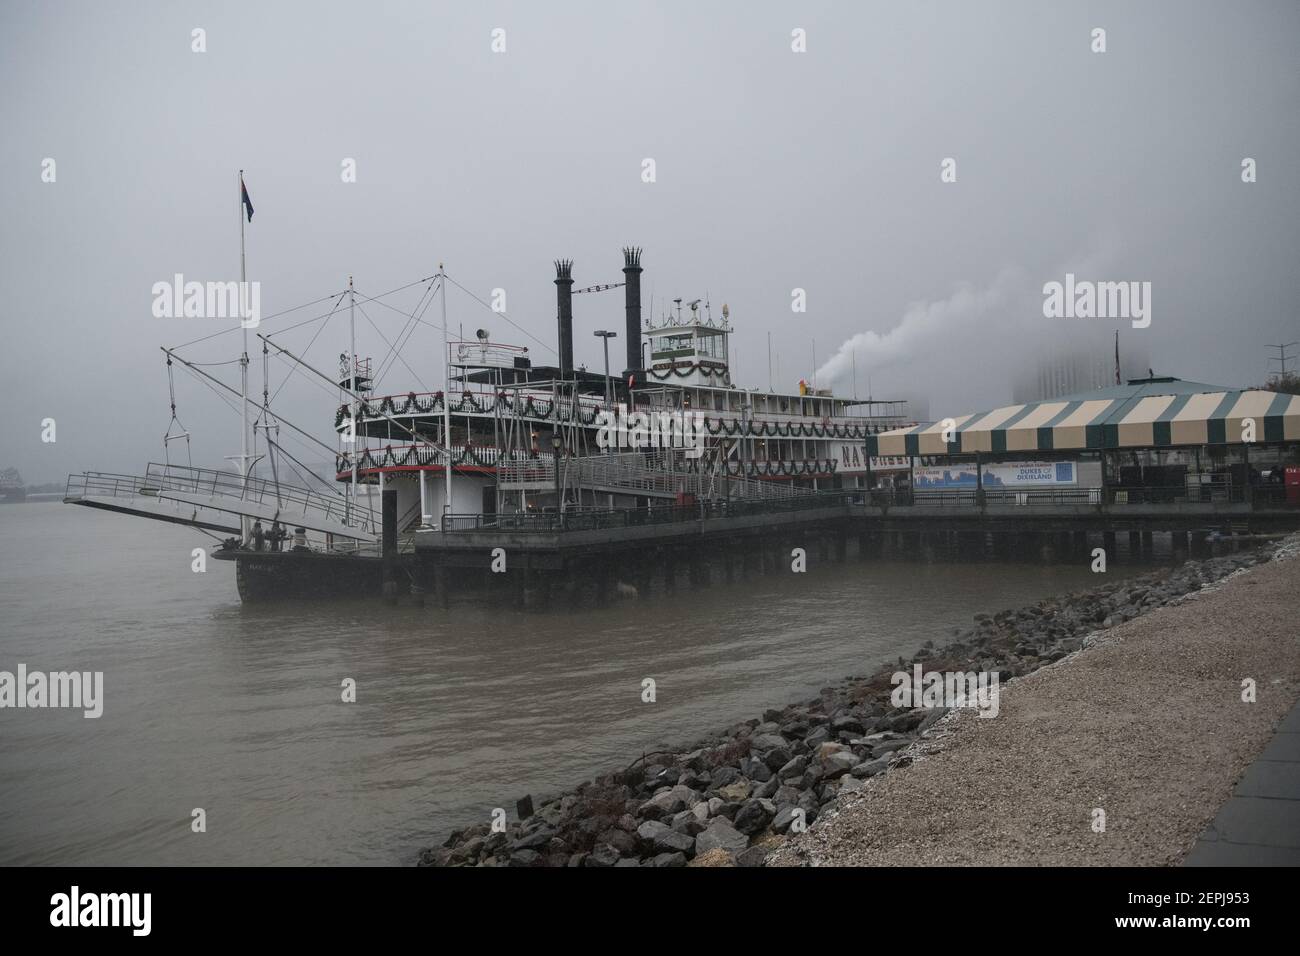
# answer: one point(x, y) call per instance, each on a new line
point(243, 362)
point(356, 404)
point(446, 393)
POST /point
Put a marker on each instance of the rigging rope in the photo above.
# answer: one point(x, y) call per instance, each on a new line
point(234, 408)
point(331, 487)
point(265, 415)
point(502, 314)
point(408, 329)
point(276, 315)
point(267, 418)
point(315, 335)
point(390, 348)
point(168, 437)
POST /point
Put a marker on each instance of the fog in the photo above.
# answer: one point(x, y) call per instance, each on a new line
point(775, 171)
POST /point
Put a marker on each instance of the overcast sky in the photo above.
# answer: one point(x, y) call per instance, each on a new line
point(775, 170)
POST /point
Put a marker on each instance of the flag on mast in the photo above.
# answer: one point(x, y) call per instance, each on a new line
point(248, 203)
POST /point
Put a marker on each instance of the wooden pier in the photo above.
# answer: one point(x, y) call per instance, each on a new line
point(592, 557)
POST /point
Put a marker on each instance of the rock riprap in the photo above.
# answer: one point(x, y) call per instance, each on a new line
point(728, 799)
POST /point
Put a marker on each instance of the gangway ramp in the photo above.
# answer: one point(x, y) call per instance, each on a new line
point(214, 500)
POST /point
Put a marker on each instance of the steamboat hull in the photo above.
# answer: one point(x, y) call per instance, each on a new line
point(275, 576)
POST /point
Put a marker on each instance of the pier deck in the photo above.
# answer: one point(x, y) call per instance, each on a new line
point(1006, 515)
point(845, 513)
point(549, 539)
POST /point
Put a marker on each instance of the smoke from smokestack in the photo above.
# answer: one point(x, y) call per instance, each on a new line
point(966, 351)
point(961, 342)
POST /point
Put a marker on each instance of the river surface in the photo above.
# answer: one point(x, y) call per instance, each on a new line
point(237, 710)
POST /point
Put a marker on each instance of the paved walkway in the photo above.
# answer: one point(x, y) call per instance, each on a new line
point(1260, 823)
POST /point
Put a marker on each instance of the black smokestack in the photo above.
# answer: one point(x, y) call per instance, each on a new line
point(632, 291)
point(564, 304)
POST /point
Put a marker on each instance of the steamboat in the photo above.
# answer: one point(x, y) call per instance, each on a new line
point(509, 445)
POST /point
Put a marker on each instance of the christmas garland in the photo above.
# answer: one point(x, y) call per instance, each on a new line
point(775, 469)
point(716, 426)
point(545, 410)
point(486, 457)
point(683, 370)
point(421, 455)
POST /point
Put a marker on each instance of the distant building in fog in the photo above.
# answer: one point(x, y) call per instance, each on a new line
point(1077, 369)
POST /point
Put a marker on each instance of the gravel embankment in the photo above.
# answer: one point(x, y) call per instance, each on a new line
point(1146, 723)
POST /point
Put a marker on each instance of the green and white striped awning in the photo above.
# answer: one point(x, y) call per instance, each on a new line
point(1146, 413)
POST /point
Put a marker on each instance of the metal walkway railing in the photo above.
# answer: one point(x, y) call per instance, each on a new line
point(199, 486)
point(595, 519)
point(634, 473)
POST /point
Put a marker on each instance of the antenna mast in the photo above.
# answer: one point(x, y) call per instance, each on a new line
point(769, 361)
point(446, 394)
point(352, 384)
point(1282, 357)
point(244, 465)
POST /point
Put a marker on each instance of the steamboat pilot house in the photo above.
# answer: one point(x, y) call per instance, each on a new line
point(810, 439)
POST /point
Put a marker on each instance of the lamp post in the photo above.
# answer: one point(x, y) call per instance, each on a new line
point(556, 445)
point(609, 401)
point(606, 336)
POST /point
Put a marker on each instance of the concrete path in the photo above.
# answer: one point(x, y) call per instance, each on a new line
point(1260, 823)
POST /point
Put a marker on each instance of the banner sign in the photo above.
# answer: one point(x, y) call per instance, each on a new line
point(891, 463)
point(1026, 474)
